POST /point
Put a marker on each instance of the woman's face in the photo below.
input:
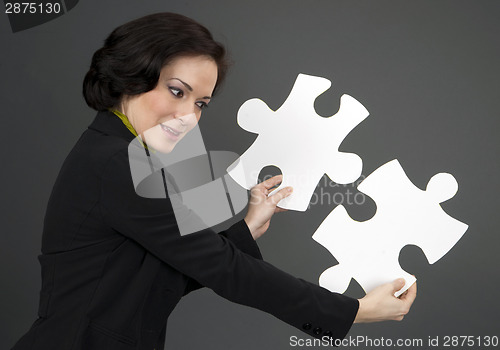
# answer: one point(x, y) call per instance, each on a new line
point(164, 115)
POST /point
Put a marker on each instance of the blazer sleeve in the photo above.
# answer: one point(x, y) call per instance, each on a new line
point(215, 262)
point(240, 236)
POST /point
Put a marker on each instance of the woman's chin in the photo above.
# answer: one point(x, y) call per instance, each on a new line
point(162, 147)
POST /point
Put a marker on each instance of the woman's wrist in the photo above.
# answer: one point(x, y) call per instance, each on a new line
point(361, 312)
point(251, 227)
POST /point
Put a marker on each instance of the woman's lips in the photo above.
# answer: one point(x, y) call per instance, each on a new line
point(171, 132)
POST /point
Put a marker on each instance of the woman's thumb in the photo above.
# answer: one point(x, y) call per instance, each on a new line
point(398, 284)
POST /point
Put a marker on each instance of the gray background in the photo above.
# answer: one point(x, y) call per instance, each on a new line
point(427, 71)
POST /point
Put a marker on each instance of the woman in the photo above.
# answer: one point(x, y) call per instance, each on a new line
point(114, 264)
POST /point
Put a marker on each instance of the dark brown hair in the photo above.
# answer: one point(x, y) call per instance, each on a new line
point(133, 55)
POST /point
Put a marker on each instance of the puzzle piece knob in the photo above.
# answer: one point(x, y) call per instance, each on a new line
point(254, 115)
point(442, 187)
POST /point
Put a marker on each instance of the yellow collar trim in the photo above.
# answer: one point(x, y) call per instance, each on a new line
point(125, 121)
point(129, 126)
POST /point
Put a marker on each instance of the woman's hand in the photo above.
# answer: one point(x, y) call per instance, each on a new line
point(381, 304)
point(262, 207)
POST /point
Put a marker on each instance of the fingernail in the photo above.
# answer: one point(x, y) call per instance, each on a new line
point(290, 189)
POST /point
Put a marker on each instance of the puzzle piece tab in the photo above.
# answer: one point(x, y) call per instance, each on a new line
point(368, 251)
point(297, 140)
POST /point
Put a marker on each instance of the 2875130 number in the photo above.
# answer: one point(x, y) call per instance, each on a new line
point(470, 341)
point(32, 7)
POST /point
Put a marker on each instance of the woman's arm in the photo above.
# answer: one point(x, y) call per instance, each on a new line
point(215, 262)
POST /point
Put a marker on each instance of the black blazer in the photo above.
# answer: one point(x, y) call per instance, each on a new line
point(114, 264)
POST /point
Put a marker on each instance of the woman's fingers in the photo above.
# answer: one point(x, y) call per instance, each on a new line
point(283, 193)
point(397, 285)
point(262, 206)
point(266, 187)
point(410, 295)
point(273, 181)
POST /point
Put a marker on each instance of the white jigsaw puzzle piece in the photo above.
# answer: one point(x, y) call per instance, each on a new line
point(302, 144)
point(368, 251)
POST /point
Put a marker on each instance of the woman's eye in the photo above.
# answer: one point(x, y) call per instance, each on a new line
point(176, 91)
point(201, 104)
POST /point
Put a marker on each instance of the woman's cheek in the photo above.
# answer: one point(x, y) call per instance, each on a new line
point(159, 105)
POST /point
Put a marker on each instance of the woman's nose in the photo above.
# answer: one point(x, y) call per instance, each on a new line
point(186, 119)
